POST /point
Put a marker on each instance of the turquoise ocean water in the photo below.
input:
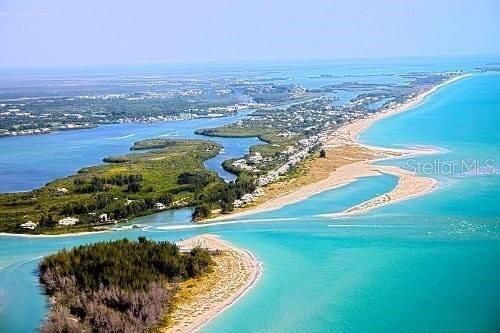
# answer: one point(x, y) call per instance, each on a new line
point(430, 264)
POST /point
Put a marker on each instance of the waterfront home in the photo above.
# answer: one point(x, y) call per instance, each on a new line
point(103, 217)
point(160, 206)
point(242, 164)
point(68, 221)
point(29, 225)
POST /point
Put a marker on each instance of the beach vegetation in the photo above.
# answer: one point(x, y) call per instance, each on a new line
point(116, 286)
point(201, 211)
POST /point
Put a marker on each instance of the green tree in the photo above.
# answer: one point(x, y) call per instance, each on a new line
point(201, 212)
point(133, 187)
point(226, 207)
point(47, 221)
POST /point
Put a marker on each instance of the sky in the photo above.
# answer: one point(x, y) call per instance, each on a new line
point(76, 32)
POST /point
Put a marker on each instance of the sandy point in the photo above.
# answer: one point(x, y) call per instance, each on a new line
point(198, 301)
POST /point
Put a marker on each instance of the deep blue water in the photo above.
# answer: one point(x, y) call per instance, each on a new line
point(429, 264)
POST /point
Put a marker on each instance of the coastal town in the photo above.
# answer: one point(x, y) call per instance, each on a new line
point(163, 99)
point(37, 110)
point(297, 132)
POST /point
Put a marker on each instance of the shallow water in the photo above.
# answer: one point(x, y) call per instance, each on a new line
point(429, 264)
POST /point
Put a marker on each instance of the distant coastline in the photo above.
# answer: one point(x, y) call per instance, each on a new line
point(46, 130)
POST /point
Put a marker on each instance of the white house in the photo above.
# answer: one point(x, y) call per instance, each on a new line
point(68, 221)
point(103, 217)
point(159, 205)
point(258, 192)
point(29, 225)
point(255, 158)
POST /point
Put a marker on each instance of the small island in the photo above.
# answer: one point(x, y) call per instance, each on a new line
point(119, 286)
point(139, 286)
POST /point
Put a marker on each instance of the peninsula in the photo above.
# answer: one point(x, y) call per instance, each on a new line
point(345, 160)
point(158, 175)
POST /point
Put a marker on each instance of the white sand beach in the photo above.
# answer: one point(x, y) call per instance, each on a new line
point(197, 302)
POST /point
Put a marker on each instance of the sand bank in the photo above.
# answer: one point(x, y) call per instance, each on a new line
point(347, 160)
point(198, 302)
point(409, 186)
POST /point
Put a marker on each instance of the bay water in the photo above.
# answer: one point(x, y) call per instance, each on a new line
point(429, 264)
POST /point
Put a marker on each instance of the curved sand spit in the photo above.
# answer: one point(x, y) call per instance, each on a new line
point(198, 302)
point(409, 184)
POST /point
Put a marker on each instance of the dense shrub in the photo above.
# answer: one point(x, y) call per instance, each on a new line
point(197, 179)
point(119, 286)
point(125, 264)
point(201, 212)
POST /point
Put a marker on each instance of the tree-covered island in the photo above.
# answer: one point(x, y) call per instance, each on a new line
point(118, 286)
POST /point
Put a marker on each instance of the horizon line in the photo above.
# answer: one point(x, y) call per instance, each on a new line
point(241, 61)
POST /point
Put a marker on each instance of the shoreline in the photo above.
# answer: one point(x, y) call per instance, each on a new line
point(82, 233)
point(348, 135)
point(235, 273)
point(112, 122)
point(359, 126)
